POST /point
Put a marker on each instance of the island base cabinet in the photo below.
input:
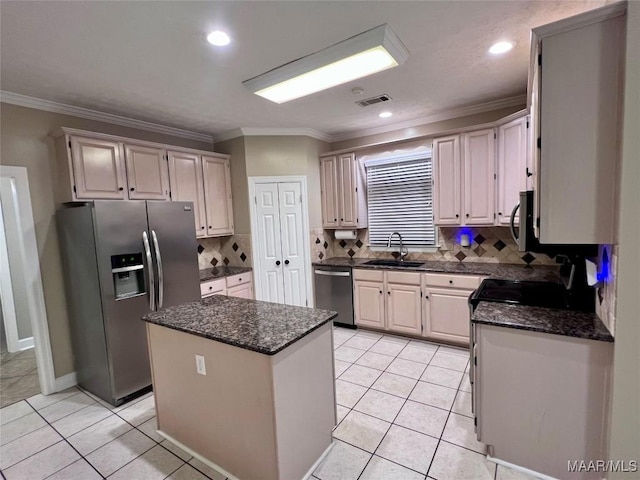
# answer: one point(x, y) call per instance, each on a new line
point(540, 399)
point(250, 416)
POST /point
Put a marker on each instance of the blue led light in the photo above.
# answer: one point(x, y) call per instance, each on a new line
point(605, 268)
point(464, 231)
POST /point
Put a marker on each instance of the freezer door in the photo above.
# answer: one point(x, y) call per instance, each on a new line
point(119, 227)
point(175, 252)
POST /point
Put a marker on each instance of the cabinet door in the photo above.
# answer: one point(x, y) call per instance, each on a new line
point(217, 195)
point(479, 177)
point(147, 172)
point(512, 166)
point(368, 299)
point(404, 312)
point(347, 195)
point(447, 315)
point(98, 169)
point(185, 174)
point(446, 183)
point(329, 191)
point(241, 291)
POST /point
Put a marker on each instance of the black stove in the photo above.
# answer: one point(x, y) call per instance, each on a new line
point(535, 294)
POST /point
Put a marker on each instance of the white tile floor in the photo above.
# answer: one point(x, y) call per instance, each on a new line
point(404, 413)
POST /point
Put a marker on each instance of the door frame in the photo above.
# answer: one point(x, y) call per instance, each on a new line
point(302, 180)
point(31, 261)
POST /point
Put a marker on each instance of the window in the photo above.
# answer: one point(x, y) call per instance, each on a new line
point(400, 199)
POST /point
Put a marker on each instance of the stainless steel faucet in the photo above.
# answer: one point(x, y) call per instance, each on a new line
point(403, 250)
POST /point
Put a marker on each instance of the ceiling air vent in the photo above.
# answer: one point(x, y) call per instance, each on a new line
point(373, 100)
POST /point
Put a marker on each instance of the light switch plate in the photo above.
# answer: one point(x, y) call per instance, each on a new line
point(200, 366)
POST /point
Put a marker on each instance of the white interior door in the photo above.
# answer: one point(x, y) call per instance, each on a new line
point(292, 238)
point(269, 275)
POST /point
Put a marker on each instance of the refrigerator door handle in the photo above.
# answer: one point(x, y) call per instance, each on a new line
point(150, 276)
point(159, 264)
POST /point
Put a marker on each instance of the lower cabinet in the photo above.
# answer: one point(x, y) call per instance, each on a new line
point(239, 285)
point(431, 305)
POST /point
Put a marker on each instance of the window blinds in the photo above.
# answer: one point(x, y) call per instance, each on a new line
point(400, 199)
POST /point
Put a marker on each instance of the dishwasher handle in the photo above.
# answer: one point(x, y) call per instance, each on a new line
point(330, 273)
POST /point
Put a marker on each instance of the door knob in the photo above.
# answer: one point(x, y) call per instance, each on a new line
point(278, 262)
point(286, 262)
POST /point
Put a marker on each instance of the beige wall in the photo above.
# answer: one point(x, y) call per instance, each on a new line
point(625, 424)
point(426, 130)
point(24, 142)
point(288, 155)
point(239, 185)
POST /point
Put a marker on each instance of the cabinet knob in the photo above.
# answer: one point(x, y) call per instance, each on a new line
point(278, 263)
point(500, 213)
point(457, 216)
point(389, 293)
point(342, 219)
point(210, 288)
point(451, 282)
point(286, 262)
point(202, 227)
point(210, 226)
point(335, 219)
point(132, 189)
point(121, 188)
point(239, 279)
point(467, 215)
point(380, 292)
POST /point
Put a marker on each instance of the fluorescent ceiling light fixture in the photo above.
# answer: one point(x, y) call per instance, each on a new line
point(365, 54)
point(218, 38)
point(500, 47)
point(385, 114)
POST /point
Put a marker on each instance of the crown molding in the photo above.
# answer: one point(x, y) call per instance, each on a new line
point(437, 117)
point(273, 132)
point(64, 109)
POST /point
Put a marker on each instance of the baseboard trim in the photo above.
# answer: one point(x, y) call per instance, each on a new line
point(208, 463)
point(318, 462)
point(520, 469)
point(26, 343)
point(66, 381)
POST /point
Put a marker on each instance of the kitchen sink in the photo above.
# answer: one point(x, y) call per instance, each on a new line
point(393, 263)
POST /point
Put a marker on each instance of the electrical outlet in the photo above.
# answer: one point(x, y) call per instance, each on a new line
point(200, 366)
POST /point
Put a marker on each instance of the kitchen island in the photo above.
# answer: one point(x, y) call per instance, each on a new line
point(244, 385)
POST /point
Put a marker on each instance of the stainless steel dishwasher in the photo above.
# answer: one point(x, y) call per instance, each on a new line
point(334, 291)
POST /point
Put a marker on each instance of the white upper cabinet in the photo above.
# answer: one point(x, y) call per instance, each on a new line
point(342, 188)
point(512, 166)
point(147, 171)
point(446, 172)
point(577, 69)
point(329, 191)
point(97, 168)
point(464, 182)
point(479, 177)
point(185, 172)
point(217, 194)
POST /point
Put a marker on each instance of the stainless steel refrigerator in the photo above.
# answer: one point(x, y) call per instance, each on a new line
point(123, 259)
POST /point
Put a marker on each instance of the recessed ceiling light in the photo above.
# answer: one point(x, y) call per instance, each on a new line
point(500, 47)
point(385, 114)
point(218, 38)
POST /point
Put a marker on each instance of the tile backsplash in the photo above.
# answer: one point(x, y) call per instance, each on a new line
point(488, 244)
point(233, 251)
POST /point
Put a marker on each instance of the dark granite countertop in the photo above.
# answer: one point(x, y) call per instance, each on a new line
point(263, 327)
point(221, 272)
point(545, 320)
point(541, 273)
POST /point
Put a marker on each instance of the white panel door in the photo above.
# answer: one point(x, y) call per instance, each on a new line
point(268, 244)
point(292, 238)
point(479, 177)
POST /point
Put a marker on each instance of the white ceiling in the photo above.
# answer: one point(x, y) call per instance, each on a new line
point(149, 60)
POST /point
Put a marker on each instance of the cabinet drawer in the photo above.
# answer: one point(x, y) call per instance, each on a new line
point(470, 282)
point(370, 275)
point(238, 279)
point(405, 278)
point(213, 287)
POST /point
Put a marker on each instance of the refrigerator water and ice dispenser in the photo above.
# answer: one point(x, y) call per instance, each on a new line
point(128, 275)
